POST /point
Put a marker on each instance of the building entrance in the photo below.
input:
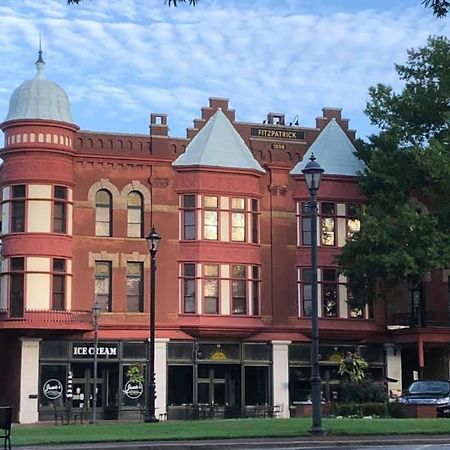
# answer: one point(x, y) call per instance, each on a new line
point(107, 388)
point(219, 384)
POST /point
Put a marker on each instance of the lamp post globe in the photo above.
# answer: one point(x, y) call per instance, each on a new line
point(153, 239)
point(313, 173)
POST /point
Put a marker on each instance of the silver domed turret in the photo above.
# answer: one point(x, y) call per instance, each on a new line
point(39, 98)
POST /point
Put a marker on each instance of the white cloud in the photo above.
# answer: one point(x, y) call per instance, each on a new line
point(121, 60)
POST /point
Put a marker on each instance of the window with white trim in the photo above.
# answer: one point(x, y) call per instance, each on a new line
point(210, 218)
point(328, 223)
point(103, 283)
point(135, 215)
point(211, 289)
point(188, 218)
point(188, 288)
point(238, 219)
point(103, 213)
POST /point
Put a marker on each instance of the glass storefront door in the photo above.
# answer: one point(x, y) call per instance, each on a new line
point(219, 384)
point(107, 387)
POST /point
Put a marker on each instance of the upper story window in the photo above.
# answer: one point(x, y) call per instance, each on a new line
point(18, 208)
point(354, 312)
point(211, 289)
point(188, 287)
point(256, 289)
point(353, 221)
point(236, 294)
point(135, 291)
point(135, 215)
point(305, 291)
point(305, 224)
point(255, 221)
point(59, 285)
point(60, 209)
point(188, 217)
point(238, 219)
point(238, 289)
point(16, 290)
point(103, 285)
point(328, 224)
point(230, 219)
point(210, 218)
point(103, 213)
point(330, 292)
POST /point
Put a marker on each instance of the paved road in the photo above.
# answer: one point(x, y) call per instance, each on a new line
point(371, 447)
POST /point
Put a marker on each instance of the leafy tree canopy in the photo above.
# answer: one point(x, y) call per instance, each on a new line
point(405, 225)
point(440, 7)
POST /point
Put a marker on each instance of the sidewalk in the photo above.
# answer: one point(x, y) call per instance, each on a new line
point(255, 444)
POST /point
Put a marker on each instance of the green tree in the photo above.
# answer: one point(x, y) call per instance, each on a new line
point(440, 7)
point(405, 225)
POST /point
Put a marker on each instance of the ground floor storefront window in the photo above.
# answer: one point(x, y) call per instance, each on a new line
point(204, 379)
point(220, 379)
point(331, 357)
point(118, 394)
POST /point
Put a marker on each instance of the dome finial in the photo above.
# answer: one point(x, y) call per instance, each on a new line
point(40, 63)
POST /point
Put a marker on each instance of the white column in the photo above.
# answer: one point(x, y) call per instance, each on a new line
point(29, 379)
point(394, 366)
point(280, 375)
point(161, 376)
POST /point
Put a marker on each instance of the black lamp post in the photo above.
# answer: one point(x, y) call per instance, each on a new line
point(313, 173)
point(152, 241)
point(95, 314)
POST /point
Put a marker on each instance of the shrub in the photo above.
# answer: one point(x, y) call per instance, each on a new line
point(374, 409)
point(348, 410)
point(365, 391)
point(361, 409)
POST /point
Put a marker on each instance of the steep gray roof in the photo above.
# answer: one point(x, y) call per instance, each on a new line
point(333, 151)
point(39, 98)
point(218, 144)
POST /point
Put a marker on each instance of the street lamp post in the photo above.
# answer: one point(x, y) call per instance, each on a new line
point(313, 173)
point(152, 241)
point(95, 314)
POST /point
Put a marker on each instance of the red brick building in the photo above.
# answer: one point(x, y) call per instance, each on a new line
point(232, 295)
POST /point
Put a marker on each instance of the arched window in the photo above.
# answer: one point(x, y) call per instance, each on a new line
point(103, 213)
point(135, 216)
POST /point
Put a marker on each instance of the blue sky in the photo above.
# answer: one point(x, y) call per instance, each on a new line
point(120, 60)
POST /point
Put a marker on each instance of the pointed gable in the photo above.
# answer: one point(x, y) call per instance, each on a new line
point(334, 152)
point(218, 144)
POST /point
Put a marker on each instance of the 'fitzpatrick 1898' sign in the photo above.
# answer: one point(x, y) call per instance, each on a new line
point(105, 350)
point(273, 133)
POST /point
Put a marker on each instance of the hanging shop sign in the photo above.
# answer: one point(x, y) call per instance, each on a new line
point(52, 389)
point(105, 350)
point(133, 389)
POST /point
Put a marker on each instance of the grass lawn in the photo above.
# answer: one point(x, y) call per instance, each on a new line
point(234, 428)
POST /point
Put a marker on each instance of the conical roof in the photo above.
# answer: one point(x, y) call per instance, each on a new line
point(39, 98)
point(334, 152)
point(218, 144)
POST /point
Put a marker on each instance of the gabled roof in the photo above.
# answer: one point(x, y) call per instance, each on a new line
point(218, 144)
point(334, 152)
